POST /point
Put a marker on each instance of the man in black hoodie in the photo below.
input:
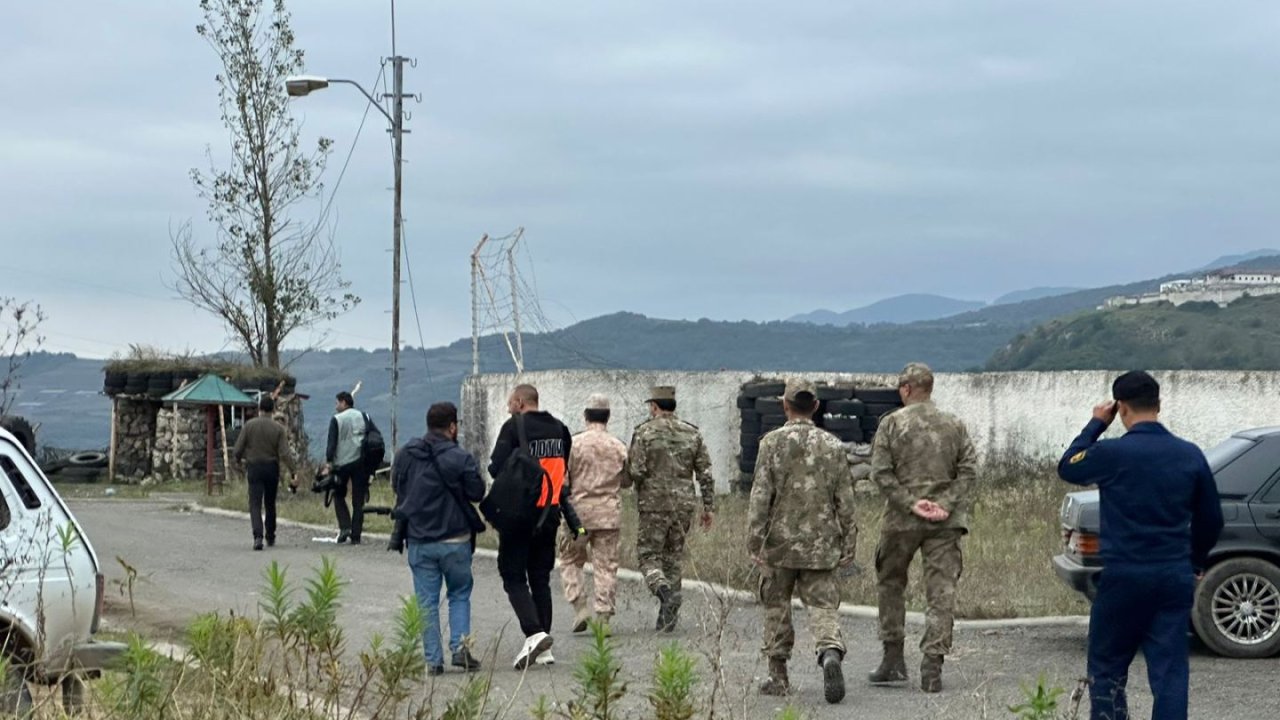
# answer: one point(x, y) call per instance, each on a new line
point(435, 483)
point(527, 554)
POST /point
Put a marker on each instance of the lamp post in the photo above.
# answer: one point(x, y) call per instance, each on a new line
point(303, 85)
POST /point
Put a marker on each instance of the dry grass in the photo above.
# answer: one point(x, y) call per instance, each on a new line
point(1014, 533)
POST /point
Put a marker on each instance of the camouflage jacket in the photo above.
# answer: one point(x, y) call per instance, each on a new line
point(597, 473)
point(666, 455)
point(801, 512)
point(922, 452)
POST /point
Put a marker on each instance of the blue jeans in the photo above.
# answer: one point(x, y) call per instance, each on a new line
point(433, 564)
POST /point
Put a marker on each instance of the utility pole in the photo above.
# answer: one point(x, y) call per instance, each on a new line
point(397, 135)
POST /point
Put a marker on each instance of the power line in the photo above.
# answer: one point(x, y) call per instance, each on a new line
point(351, 151)
point(413, 296)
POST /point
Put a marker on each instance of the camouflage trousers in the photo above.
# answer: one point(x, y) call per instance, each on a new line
point(660, 543)
point(604, 546)
point(821, 597)
point(943, 564)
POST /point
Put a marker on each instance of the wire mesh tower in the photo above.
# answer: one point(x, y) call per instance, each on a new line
point(496, 296)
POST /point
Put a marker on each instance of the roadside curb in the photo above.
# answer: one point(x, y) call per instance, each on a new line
point(863, 612)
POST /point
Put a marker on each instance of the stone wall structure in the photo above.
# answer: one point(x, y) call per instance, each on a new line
point(162, 443)
point(1030, 414)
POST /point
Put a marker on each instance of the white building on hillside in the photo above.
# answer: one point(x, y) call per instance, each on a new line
point(1220, 286)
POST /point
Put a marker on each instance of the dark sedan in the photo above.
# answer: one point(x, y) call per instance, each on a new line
point(1237, 606)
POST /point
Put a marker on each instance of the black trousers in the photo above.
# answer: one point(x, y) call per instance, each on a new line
point(357, 477)
point(525, 560)
point(264, 482)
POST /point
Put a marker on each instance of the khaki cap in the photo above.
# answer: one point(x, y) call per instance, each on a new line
point(598, 401)
point(662, 392)
point(795, 386)
point(916, 374)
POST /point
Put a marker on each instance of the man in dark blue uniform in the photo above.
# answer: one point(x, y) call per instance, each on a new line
point(1160, 518)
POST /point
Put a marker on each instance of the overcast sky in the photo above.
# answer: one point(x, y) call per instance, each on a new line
point(714, 159)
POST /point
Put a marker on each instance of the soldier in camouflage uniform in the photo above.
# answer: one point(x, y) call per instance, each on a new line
point(924, 463)
point(666, 455)
point(597, 469)
point(801, 527)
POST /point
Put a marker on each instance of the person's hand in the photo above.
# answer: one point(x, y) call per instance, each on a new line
point(293, 485)
point(707, 518)
point(581, 538)
point(324, 469)
point(1105, 411)
point(758, 561)
point(924, 509)
point(930, 510)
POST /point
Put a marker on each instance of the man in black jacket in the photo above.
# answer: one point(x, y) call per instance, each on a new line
point(435, 483)
point(527, 553)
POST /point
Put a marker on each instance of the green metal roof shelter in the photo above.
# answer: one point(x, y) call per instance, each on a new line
point(208, 390)
point(212, 392)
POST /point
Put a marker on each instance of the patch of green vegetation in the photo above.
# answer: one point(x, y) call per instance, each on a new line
point(1245, 335)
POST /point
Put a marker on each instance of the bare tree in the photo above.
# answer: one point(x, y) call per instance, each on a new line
point(19, 338)
point(268, 274)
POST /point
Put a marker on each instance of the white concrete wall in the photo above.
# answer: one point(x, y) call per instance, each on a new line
point(1033, 414)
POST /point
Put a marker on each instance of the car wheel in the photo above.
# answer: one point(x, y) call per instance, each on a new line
point(15, 695)
point(1237, 611)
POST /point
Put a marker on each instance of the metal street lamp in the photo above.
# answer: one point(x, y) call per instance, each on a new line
point(303, 85)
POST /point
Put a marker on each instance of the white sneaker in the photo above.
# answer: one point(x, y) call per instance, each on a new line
point(534, 646)
point(546, 658)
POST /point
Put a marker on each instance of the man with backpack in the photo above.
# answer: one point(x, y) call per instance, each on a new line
point(435, 482)
point(349, 456)
point(530, 494)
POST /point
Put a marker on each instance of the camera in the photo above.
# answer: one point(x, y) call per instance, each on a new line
point(324, 482)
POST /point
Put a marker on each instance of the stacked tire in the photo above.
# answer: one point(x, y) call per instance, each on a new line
point(851, 414)
point(760, 405)
point(156, 384)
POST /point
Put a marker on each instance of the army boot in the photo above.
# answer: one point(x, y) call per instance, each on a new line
point(581, 614)
point(664, 608)
point(832, 675)
point(893, 668)
point(931, 673)
point(777, 683)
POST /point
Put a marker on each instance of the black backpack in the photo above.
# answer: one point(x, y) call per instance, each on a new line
point(373, 449)
point(512, 501)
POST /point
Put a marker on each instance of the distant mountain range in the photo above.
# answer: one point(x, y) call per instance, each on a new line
point(898, 310)
point(918, 307)
point(62, 391)
point(1038, 293)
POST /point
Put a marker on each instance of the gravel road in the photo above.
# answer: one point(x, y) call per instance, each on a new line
point(191, 563)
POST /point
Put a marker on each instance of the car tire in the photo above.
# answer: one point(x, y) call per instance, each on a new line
point(93, 459)
point(762, 389)
point(879, 396)
point(851, 408)
point(15, 694)
point(834, 392)
point(1237, 609)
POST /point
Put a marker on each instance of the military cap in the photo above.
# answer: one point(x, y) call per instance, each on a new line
point(1135, 385)
point(598, 401)
point(662, 392)
point(916, 374)
point(796, 386)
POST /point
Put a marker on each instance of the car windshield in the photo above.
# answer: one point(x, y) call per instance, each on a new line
point(1224, 452)
point(1242, 466)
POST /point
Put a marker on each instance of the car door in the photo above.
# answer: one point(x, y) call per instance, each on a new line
point(1266, 511)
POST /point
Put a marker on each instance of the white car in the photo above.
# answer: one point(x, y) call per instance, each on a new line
point(51, 590)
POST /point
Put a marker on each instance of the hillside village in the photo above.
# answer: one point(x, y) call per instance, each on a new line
point(1221, 287)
